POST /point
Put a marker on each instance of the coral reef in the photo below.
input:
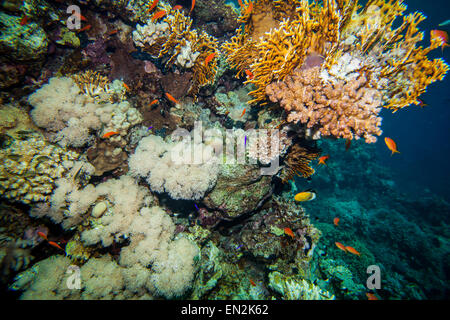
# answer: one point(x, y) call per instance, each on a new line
point(298, 161)
point(320, 52)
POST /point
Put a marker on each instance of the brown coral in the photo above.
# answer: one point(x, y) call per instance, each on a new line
point(298, 161)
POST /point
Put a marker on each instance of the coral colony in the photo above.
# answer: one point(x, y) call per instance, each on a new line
point(156, 149)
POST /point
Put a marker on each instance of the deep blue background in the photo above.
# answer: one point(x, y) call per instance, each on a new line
point(422, 134)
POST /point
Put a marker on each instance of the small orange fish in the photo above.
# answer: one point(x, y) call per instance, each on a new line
point(24, 20)
point(422, 103)
point(169, 96)
point(79, 16)
point(243, 112)
point(154, 4)
point(177, 7)
point(42, 235)
point(323, 159)
point(371, 296)
point(209, 58)
point(109, 134)
point(336, 221)
point(252, 282)
point(249, 8)
point(289, 232)
point(158, 15)
point(54, 244)
point(126, 87)
point(249, 74)
point(154, 102)
point(340, 246)
point(85, 28)
point(348, 143)
point(192, 7)
point(112, 32)
point(391, 145)
point(441, 36)
point(352, 250)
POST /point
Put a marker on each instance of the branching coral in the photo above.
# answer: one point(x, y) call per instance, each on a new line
point(173, 39)
point(353, 48)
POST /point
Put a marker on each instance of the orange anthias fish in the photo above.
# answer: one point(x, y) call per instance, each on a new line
point(391, 145)
point(126, 87)
point(336, 221)
point(42, 235)
point(441, 36)
point(323, 159)
point(249, 74)
point(79, 16)
point(158, 15)
point(192, 7)
point(243, 112)
point(109, 134)
point(371, 296)
point(169, 96)
point(348, 143)
point(24, 20)
point(54, 244)
point(252, 282)
point(112, 32)
point(154, 4)
point(209, 58)
point(352, 250)
point(289, 232)
point(340, 246)
point(85, 28)
point(177, 7)
point(154, 102)
point(249, 8)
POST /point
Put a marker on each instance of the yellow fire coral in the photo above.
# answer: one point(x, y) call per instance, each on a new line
point(173, 38)
point(358, 61)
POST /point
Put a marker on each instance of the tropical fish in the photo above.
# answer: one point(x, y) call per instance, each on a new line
point(323, 159)
point(348, 143)
point(192, 7)
point(154, 4)
point(252, 282)
point(54, 244)
point(391, 145)
point(249, 74)
point(109, 134)
point(243, 112)
point(42, 235)
point(371, 296)
point(112, 32)
point(158, 15)
point(336, 221)
point(445, 23)
point(209, 58)
point(79, 16)
point(352, 250)
point(169, 96)
point(85, 28)
point(154, 102)
point(422, 103)
point(340, 246)
point(126, 86)
point(306, 195)
point(289, 232)
point(177, 7)
point(441, 36)
point(249, 8)
point(24, 20)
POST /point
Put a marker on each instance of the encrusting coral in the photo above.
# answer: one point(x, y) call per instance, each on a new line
point(358, 61)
